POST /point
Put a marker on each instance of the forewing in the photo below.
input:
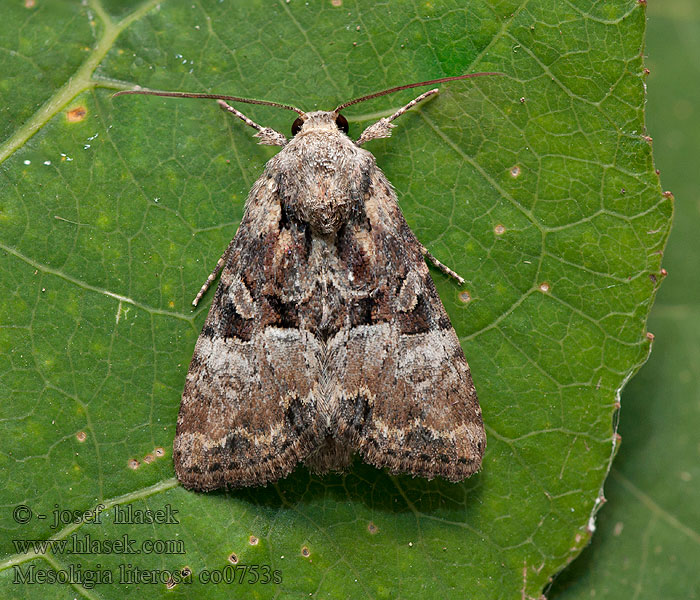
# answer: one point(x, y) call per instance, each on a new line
point(406, 399)
point(246, 416)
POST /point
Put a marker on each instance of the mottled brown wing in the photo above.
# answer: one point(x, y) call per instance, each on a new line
point(318, 346)
point(248, 411)
point(404, 393)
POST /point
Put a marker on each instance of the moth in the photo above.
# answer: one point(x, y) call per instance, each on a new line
point(326, 336)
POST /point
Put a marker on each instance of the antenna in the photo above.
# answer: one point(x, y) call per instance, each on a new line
point(211, 97)
point(410, 85)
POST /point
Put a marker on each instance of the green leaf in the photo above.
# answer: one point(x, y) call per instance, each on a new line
point(648, 541)
point(537, 186)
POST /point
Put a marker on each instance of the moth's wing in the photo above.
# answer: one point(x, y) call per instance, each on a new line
point(406, 397)
point(246, 416)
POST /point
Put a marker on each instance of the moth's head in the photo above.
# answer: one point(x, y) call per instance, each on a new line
point(320, 122)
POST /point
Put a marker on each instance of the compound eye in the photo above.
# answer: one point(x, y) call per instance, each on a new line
point(296, 126)
point(342, 123)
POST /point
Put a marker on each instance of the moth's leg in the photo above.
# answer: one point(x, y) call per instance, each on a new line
point(444, 268)
point(213, 275)
point(383, 127)
point(268, 137)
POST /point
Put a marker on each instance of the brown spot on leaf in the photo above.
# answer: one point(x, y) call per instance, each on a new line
point(545, 287)
point(253, 541)
point(81, 436)
point(305, 552)
point(233, 558)
point(77, 114)
point(464, 296)
point(186, 571)
point(148, 459)
point(337, 2)
point(650, 336)
point(134, 464)
point(29, 3)
point(159, 452)
point(170, 584)
point(515, 171)
point(499, 229)
point(372, 528)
